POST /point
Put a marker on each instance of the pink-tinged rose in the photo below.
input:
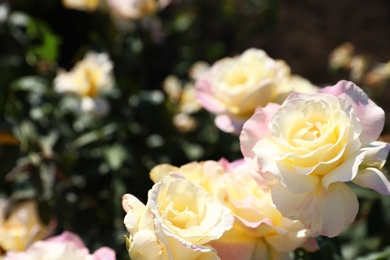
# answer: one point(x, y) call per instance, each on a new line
point(259, 231)
point(312, 144)
point(22, 227)
point(65, 246)
point(234, 87)
point(179, 221)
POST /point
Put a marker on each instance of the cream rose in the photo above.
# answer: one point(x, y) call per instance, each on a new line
point(179, 220)
point(89, 79)
point(259, 231)
point(22, 227)
point(234, 87)
point(314, 143)
point(132, 9)
point(82, 5)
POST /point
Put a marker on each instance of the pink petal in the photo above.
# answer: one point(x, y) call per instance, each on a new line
point(370, 115)
point(206, 97)
point(104, 253)
point(324, 212)
point(228, 124)
point(373, 178)
point(255, 129)
point(311, 245)
point(68, 237)
point(244, 249)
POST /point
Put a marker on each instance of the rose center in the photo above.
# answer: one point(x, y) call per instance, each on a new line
point(310, 133)
point(91, 81)
point(236, 78)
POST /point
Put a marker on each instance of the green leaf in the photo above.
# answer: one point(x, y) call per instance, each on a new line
point(115, 156)
point(94, 136)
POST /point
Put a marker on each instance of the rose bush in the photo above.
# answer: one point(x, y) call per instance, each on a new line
point(179, 220)
point(313, 144)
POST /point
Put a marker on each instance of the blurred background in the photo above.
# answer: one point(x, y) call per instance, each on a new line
point(76, 166)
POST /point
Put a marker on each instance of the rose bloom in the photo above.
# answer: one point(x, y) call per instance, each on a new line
point(234, 87)
point(22, 227)
point(179, 220)
point(89, 79)
point(132, 9)
point(82, 5)
point(64, 246)
point(313, 144)
point(259, 231)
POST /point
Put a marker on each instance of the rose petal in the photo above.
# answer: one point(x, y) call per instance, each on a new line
point(371, 115)
point(255, 129)
point(206, 97)
point(96, 106)
point(346, 171)
point(228, 124)
point(244, 249)
point(145, 246)
point(68, 237)
point(160, 170)
point(135, 209)
point(290, 240)
point(296, 182)
point(373, 178)
point(311, 245)
point(324, 212)
point(376, 154)
point(104, 253)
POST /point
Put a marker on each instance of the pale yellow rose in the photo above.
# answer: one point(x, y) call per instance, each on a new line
point(179, 220)
point(183, 98)
point(82, 5)
point(234, 87)
point(208, 174)
point(341, 56)
point(313, 144)
point(259, 231)
point(89, 79)
point(184, 122)
point(22, 227)
point(132, 9)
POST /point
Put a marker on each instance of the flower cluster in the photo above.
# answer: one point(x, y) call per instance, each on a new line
point(144, 129)
point(302, 148)
point(210, 210)
point(23, 235)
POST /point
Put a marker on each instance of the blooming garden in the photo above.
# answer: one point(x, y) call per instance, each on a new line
point(141, 129)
